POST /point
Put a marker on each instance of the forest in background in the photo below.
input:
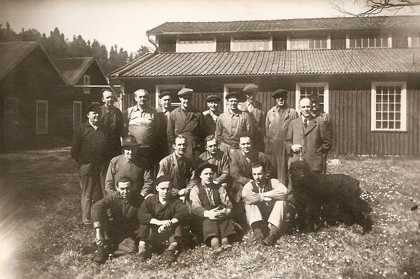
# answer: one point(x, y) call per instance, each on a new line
point(58, 46)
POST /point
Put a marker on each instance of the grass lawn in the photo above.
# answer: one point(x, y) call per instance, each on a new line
point(40, 236)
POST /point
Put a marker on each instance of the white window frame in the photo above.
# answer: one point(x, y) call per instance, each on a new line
point(413, 38)
point(86, 84)
point(313, 84)
point(226, 89)
point(290, 39)
point(389, 39)
point(38, 129)
point(185, 45)
point(403, 119)
point(243, 44)
point(162, 87)
point(75, 124)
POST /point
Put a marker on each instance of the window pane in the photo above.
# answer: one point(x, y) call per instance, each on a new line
point(397, 116)
point(397, 125)
point(391, 125)
point(391, 116)
point(378, 116)
point(378, 125)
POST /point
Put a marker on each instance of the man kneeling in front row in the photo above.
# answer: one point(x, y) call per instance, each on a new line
point(161, 219)
point(265, 205)
point(116, 235)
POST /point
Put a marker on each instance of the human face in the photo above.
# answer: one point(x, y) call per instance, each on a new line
point(211, 146)
point(281, 101)
point(124, 188)
point(107, 98)
point(180, 146)
point(141, 98)
point(165, 102)
point(185, 101)
point(93, 117)
point(164, 190)
point(258, 174)
point(129, 152)
point(245, 144)
point(213, 105)
point(315, 107)
point(207, 176)
point(305, 107)
point(233, 103)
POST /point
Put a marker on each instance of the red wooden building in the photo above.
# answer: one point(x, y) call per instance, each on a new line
point(366, 71)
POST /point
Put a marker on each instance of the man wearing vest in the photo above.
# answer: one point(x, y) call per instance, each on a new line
point(265, 205)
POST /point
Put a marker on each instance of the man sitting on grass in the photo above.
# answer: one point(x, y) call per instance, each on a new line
point(211, 203)
point(265, 205)
point(161, 217)
point(116, 235)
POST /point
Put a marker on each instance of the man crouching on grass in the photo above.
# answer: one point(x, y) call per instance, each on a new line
point(265, 205)
point(161, 218)
point(116, 235)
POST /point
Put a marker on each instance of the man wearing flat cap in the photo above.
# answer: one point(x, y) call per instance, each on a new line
point(317, 112)
point(131, 165)
point(276, 126)
point(140, 121)
point(231, 124)
point(163, 111)
point(211, 115)
point(187, 121)
point(90, 149)
point(256, 115)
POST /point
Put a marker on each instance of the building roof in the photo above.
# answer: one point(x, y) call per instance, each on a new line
point(338, 23)
point(243, 63)
point(73, 68)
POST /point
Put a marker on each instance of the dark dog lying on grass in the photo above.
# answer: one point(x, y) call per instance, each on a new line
point(334, 192)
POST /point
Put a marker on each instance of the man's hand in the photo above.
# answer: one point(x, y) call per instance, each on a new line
point(164, 224)
point(267, 199)
point(296, 147)
point(213, 214)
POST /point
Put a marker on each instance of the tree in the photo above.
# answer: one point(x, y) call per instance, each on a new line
point(375, 7)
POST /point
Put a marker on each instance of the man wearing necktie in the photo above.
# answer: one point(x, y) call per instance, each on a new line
point(308, 138)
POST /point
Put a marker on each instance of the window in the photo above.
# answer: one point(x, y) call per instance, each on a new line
point(251, 44)
point(368, 41)
point(414, 40)
point(196, 45)
point(173, 88)
point(389, 106)
point(41, 117)
point(86, 83)
point(306, 89)
point(295, 43)
point(11, 105)
point(77, 114)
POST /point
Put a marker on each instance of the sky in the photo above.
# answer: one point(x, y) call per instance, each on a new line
point(125, 22)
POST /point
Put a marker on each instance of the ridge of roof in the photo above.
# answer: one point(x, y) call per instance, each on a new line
point(68, 70)
point(8, 63)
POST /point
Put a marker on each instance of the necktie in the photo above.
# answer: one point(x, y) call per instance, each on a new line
point(305, 123)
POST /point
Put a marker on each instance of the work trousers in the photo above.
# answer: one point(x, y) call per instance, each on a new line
point(272, 212)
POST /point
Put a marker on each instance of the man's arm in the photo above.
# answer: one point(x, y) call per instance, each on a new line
point(279, 191)
point(170, 130)
point(224, 165)
point(325, 138)
point(110, 176)
point(289, 139)
point(147, 178)
point(145, 212)
point(236, 169)
point(196, 206)
point(249, 196)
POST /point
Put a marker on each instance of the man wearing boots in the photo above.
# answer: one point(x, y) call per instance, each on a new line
point(161, 218)
point(265, 205)
point(116, 235)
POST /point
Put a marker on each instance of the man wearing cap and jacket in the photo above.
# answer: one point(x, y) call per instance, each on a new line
point(276, 127)
point(231, 124)
point(187, 121)
point(210, 116)
point(140, 121)
point(131, 165)
point(90, 150)
point(256, 115)
point(163, 112)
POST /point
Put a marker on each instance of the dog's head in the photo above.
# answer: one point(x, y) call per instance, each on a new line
point(302, 176)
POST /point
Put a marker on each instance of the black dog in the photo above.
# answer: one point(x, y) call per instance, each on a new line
point(310, 193)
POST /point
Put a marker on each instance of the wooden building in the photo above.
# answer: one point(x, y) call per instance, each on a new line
point(365, 70)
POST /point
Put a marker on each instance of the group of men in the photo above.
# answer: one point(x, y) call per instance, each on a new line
point(211, 168)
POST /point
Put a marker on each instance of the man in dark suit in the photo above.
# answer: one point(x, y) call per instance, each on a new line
point(163, 111)
point(308, 138)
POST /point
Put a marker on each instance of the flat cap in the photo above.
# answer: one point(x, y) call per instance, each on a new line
point(232, 95)
point(279, 93)
point(164, 93)
point(185, 91)
point(204, 165)
point(129, 141)
point(93, 107)
point(163, 178)
point(250, 88)
point(213, 98)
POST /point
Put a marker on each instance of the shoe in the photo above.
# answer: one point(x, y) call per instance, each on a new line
point(170, 256)
point(270, 240)
point(142, 256)
point(258, 235)
point(101, 256)
point(218, 250)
